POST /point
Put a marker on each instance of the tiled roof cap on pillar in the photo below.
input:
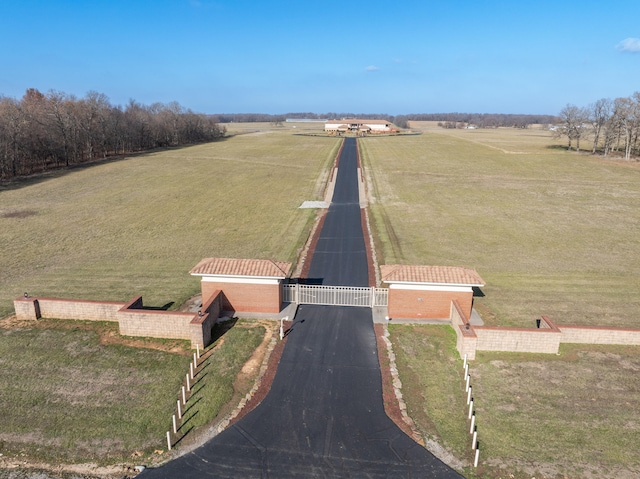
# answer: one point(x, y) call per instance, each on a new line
point(454, 275)
point(241, 267)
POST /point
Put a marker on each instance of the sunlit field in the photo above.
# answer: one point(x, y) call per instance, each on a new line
point(551, 232)
point(135, 226)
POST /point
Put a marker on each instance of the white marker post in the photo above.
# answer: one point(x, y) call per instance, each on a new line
point(475, 462)
point(198, 350)
point(467, 386)
point(169, 440)
point(179, 410)
point(475, 439)
point(469, 394)
point(473, 422)
point(470, 408)
point(188, 385)
point(464, 365)
point(184, 396)
point(175, 428)
point(466, 370)
point(195, 360)
point(191, 369)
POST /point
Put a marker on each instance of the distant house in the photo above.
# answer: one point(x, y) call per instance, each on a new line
point(357, 125)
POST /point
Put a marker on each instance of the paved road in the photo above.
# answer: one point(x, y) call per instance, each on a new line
point(323, 417)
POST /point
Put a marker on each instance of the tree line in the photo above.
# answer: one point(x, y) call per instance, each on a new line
point(611, 125)
point(448, 120)
point(43, 131)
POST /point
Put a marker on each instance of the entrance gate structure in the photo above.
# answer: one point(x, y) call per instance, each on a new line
point(368, 297)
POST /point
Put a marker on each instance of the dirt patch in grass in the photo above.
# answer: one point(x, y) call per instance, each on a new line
point(25, 213)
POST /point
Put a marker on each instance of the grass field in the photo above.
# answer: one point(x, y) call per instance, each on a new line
point(572, 415)
point(136, 226)
point(71, 392)
point(66, 397)
point(550, 232)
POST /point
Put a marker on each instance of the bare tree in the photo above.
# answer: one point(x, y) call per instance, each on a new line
point(572, 124)
point(599, 114)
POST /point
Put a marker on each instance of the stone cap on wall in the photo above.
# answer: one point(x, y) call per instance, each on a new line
point(449, 275)
point(262, 268)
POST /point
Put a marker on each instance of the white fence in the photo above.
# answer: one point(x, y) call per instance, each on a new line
point(335, 295)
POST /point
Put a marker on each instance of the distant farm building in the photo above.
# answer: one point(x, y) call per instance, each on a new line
point(359, 126)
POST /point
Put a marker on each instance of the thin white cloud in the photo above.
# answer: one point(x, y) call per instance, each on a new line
point(631, 45)
point(372, 68)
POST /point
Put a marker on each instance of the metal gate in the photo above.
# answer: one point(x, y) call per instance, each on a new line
point(335, 295)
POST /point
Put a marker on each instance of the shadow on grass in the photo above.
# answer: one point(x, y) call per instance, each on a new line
point(220, 329)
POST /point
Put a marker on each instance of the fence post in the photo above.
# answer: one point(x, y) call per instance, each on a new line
point(188, 385)
point(169, 440)
point(470, 408)
point(373, 297)
point(184, 397)
point(179, 410)
point(175, 428)
point(475, 438)
point(475, 462)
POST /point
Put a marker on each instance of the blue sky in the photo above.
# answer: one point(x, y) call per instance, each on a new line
point(269, 56)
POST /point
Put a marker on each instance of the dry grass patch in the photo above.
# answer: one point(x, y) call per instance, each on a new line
point(136, 226)
point(551, 232)
point(572, 415)
point(66, 397)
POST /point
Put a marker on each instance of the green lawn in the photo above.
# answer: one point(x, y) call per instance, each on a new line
point(550, 232)
point(65, 397)
point(136, 226)
point(571, 415)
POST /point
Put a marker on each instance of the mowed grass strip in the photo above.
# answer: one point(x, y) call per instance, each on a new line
point(215, 391)
point(136, 226)
point(550, 232)
point(65, 397)
point(433, 387)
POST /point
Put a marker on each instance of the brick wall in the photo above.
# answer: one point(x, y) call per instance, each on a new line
point(26, 308)
point(414, 304)
point(133, 320)
point(56, 308)
point(466, 339)
point(521, 340)
point(200, 327)
point(246, 297)
point(600, 335)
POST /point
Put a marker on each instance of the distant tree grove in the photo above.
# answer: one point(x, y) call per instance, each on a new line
point(447, 120)
point(610, 126)
point(43, 131)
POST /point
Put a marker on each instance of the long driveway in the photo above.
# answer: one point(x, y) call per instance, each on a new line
point(324, 416)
